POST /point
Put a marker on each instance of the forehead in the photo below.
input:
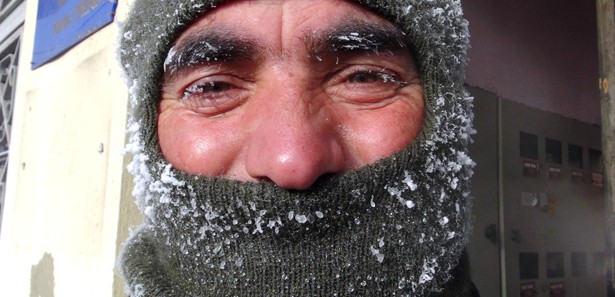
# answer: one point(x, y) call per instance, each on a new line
point(282, 21)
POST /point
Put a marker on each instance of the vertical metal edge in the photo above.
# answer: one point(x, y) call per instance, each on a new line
point(605, 11)
point(500, 174)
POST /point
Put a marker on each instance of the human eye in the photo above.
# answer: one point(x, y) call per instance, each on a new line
point(373, 77)
point(365, 84)
point(210, 87)
point(214, 95)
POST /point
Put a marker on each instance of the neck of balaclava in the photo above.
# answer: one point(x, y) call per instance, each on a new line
point(377, 231)
point(309, 270)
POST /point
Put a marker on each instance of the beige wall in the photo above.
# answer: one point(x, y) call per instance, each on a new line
point(63, 203)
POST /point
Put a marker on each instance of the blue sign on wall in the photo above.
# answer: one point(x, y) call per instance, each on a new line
point(61, 24)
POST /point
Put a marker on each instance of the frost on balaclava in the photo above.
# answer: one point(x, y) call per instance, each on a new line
point(394, 228)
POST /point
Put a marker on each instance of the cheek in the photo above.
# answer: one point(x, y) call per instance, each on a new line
point(374, 134)
point(191, 148)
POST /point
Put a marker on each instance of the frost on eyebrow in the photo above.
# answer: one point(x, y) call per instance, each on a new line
point(358, 37)
point(208, 47)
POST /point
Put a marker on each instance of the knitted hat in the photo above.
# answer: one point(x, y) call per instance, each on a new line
point(396, 227)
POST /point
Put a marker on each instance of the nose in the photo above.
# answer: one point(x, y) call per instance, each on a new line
point(293, 143)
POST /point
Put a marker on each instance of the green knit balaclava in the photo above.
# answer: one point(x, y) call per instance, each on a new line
point(397, 227)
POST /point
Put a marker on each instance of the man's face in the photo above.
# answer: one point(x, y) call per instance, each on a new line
point(287, 91)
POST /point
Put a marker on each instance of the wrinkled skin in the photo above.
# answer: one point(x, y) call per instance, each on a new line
point(288, 115)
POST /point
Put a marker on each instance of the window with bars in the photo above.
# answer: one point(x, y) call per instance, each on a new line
point(7, 6)
point(11, 21)
point(8, 80)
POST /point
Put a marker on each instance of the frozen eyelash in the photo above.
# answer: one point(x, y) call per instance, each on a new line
point(196, 88)
point(389, 78)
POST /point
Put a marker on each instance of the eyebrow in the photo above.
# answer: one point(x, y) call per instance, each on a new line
point(208, 47)
point(355, 36)
point(218, 45)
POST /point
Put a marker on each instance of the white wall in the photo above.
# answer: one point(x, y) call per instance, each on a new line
point(59, 232)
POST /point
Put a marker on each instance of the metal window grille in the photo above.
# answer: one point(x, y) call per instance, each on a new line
point(10, 20)
point(8, 80)
point(6, 6)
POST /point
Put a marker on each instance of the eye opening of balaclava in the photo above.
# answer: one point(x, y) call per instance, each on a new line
point(396, 227)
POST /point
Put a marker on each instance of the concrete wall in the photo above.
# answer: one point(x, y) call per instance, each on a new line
point(59, 234)
point(540, 53)
point(484, 252)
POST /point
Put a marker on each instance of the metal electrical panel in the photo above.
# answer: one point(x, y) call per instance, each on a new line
point(548, 199)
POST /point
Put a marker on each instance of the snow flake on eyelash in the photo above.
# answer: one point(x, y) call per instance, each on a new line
point(196, 88)
point(388, 78)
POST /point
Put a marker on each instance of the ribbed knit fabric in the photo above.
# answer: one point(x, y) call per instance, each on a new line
point(149, 265)
point(393, 228)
